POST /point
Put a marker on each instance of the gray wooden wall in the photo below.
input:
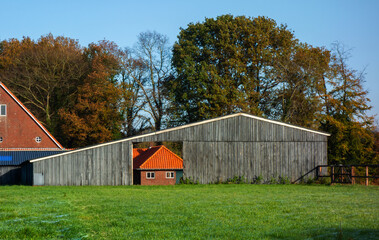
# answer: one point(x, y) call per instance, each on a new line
point(212, 151)
point(10, 175)
point(236, 129)
point(210, 162)
point(104, 165)
point(242, 146)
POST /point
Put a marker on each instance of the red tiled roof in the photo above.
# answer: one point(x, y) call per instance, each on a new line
point(158, 157)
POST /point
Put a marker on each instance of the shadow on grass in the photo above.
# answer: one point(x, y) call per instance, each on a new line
point(330, 233)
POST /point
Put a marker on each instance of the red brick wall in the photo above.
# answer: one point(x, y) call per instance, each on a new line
point(160, 178)
point(18, 129)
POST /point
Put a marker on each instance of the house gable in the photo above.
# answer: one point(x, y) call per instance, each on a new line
point(19, 128)
point(158, 157)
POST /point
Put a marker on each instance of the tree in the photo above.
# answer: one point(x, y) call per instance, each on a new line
point(346, 118)
point(132, 103)
point(226, 65)
point(376, 145)
point(94, 116)
point(43, 74)
point(152, 51)
point(301, 74)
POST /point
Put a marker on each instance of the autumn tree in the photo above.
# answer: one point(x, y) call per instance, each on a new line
point(376, 145)
point(345, 107)
point(43, 74)
point(94, 116)
point(152, 52)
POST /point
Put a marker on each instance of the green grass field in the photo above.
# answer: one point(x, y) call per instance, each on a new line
point(190, 212)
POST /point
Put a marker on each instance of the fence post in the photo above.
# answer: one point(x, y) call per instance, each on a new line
point(366, 175)
point(316, 173)
point(352, 175)
point(342, 173)
point(332, 175)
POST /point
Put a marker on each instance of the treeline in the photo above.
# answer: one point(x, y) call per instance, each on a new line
point(93, 94)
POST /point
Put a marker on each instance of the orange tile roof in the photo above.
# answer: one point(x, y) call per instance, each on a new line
point(158, 157)
point(138, 151)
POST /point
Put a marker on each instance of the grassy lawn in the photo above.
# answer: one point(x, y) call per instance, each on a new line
point(190, 212)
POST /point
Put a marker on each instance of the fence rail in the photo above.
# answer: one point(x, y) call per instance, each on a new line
point(344, 173)
point(347, 173)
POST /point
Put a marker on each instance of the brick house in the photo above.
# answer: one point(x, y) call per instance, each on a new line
point(156, 166)
point(19, 128)
point(22, 137)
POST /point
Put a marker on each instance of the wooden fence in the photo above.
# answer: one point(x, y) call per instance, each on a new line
point(344, 173)
point(348, 173)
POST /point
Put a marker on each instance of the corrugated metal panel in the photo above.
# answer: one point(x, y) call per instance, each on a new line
point(14, 158)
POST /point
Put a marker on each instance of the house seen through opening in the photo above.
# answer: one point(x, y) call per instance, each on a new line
point(157, 165)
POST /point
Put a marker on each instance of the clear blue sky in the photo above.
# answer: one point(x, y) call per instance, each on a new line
point(319, 23)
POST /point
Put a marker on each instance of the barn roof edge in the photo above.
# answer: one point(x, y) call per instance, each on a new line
point(186, 126)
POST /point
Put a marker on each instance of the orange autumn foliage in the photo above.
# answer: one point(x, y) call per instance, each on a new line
point(94, 116)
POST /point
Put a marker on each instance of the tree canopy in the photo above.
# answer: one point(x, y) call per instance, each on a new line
point(233, 64)
point(93, 115)
point(43, 73)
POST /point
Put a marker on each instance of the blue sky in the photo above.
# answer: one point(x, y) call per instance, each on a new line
point(319, 23)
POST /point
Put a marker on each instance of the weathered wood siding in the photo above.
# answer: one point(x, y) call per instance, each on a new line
point(210, 162)
point(104, 165)
point(10, 175)
point(212, 151)
point(236, 129)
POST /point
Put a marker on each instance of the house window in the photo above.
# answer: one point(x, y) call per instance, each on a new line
point(169, 174)
point(150, 175)
point(3, 110)
point(1, 139)
point(38, 139)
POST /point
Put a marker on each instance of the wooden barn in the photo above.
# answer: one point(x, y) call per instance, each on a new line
point(213, 151)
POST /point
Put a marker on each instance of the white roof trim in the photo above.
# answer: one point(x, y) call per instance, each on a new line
point(31, 115)
point(181, 127)
point(285, 124)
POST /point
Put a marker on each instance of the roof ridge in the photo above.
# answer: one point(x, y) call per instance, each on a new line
point(160, 147)
point(31, 115)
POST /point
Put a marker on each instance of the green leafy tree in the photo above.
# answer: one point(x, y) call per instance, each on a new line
point(226, 65)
